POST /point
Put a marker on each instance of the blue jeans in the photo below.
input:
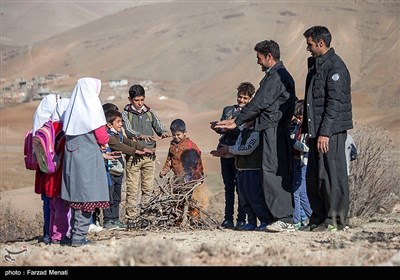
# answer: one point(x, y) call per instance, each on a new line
point(46, 216)
point(301, 203)
point(229, 172)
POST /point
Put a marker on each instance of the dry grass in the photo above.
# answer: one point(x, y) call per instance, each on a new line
point(374, 182)
point(18, 225)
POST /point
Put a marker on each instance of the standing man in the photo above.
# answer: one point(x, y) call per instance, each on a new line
point(272, 107)
point(327, 117)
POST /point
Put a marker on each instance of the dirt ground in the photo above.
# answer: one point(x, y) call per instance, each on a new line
point(366, 243)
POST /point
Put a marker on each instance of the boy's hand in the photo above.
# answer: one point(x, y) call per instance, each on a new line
point(212, 126)
point(221, 152)
point(112, 155)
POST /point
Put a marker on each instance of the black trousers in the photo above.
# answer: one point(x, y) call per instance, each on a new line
point(327, 182)
point(276, 169)
point(251, 196)
point(112, 213)
point(229, 172)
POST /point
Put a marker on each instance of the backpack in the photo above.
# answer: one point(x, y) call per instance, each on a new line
point(44, 147)
point(30, 157)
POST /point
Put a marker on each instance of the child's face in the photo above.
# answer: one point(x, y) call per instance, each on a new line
point(178, 136)
point(242, 99)
point(137, 102)
point(117, 124)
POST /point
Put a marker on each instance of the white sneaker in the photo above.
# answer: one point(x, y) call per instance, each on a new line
point(280, 226)
point(95, 228)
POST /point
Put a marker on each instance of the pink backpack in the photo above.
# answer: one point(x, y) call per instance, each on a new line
point(44, 147)
point(30, 157)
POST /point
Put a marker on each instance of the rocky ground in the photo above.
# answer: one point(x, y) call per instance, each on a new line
point(367, 243)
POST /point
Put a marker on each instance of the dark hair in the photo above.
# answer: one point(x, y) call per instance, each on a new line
point(265, 47)
point(111, 115)
point(109, 106)
point(178, 125)
point(246, 88)
point(299, 108)
point(319, 33)
point(136, 90)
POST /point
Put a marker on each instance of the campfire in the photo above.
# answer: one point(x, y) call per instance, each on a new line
point(173, 206)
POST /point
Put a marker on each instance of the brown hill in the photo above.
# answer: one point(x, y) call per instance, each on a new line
point(198, 52)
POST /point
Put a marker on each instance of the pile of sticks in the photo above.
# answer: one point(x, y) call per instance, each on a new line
point(173, 206)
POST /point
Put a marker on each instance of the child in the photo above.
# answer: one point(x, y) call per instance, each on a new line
point(184, 157)
point(248, 163)
point(84, 178)
point(300, 156)
point(128, 147)
point(42, 114)
point(139, 122)
point(245, 91)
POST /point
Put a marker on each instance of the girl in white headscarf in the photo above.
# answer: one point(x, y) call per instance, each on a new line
point(50, 184)
point(84, 180)
point(42, 114)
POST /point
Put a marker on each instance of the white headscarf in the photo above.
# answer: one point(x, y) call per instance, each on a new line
point(58, 114)
point(84, 112)
point(44, 110)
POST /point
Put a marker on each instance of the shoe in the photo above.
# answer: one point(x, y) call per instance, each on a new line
point(55, 242)
point(262, 227)
point(95, 228)
point(45, 239)
point(239, 225)
point(130, 224)
point(246, 227)
point(280, 226)
point(331, 228)
point(110, 225)
point(79, 243)
point(120, 224)
point(227, 224)
point(65, 241)
point(297, 226)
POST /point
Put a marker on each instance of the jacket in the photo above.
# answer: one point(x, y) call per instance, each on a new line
point(328, 108)
point(136, 123)
point(184, 158)
point(127, 146)
point(273, 103)
point(230, 136)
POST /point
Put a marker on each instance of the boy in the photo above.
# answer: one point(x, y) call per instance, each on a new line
point(245, 91)
point(247, 155)
point(139, 121)
point(128, 147)
point(184, 157)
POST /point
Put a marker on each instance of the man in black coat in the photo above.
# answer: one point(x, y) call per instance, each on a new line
point(272, 107)
point(327, 117)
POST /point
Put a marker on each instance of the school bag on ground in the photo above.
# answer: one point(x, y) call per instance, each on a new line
point(44, 147)
point(29, 155)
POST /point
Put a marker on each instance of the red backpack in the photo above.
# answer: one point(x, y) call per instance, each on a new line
point(44, 147)
point(30, 157)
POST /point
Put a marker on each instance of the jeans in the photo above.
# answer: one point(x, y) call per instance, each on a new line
point(301, 203)
point(112, 213)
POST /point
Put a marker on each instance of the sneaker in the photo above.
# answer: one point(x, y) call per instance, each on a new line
point(120, 224)
point(280, 226)
point(95, 228)
point(110, 225)
point(239, 225)
point(331, 228)
point(227, 224)
point(246, 227)
point(262, 227)
point(297, 226)
point(66, 241)
point(79, 243)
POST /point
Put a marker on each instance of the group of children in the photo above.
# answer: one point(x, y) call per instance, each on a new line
point(94, 138)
